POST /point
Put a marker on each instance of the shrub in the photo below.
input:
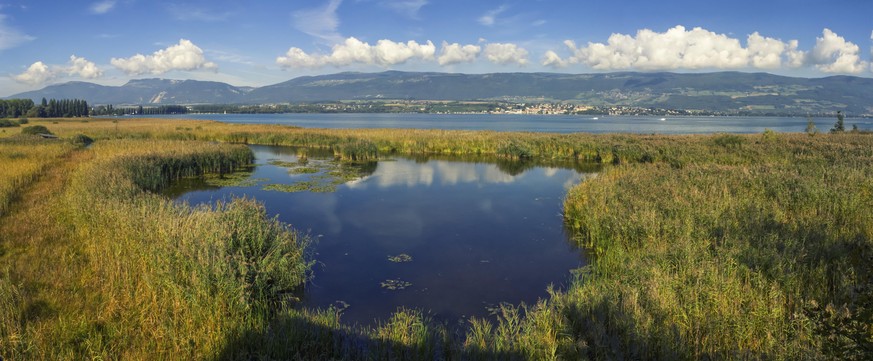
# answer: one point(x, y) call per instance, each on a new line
point(6, 123)
point(35, 129)
point(81, 139)
point(729, 140)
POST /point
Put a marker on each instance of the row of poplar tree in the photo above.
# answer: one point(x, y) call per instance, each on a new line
point(54, 108)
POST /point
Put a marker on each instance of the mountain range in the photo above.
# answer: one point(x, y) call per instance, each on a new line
point(717, 91)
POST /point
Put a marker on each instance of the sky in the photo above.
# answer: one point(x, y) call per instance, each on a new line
point(257, 43)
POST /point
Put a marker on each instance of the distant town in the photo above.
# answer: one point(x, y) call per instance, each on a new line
point(429, 107)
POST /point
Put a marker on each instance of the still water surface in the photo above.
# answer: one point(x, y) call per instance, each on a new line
point(536, 123)
point(478, 233)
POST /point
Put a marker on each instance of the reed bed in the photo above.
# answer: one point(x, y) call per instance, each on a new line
point(351, 143)
point(172, 280)
point(703, 247)
point(724, 258)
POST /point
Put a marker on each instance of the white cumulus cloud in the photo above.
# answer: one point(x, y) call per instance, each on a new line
point(551, 58)
point(456, 53)
point(182, 56)
point(833, 54)
point(102, 7)
point(680, 48)
point(765, 53)
point(795, 58)
point(506, 53)
point(40, 73)
point(675, 48)
point(354, 51)
point(10, 37)
point(83, 68)
point(37, 73)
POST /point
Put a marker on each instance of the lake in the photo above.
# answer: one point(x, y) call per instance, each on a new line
point(538, 123)
point(452, 237)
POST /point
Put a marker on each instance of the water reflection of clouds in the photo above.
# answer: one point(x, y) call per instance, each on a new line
point(573, 181)
point(411, 174)
point(324, 205)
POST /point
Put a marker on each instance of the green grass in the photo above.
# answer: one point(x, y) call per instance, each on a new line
point(701, 247)
point(162, 278)
point(725, 258)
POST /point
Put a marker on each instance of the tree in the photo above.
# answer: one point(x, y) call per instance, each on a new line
point(839, 127)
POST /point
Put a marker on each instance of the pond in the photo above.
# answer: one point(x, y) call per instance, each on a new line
point(452, 237)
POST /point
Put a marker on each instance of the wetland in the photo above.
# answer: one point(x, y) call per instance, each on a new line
point(450, 235)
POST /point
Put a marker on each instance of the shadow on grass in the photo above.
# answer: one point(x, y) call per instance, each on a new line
point(318, 335)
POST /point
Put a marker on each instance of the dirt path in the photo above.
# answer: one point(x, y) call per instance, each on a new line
point(42, 260)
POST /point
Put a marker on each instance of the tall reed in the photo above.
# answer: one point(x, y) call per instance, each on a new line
point(23, 158)
point(173, 281)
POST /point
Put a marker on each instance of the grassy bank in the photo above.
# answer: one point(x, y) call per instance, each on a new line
point(152, 279)
point(729, 255)
point(364, 144)
point(712, 246)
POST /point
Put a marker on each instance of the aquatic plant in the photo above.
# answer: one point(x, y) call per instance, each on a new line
point(358, 150)
point(291, 188)
point(395, 284)
point(400, 258)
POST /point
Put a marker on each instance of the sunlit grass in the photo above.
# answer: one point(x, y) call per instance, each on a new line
point(22, 160)
point(702, 247)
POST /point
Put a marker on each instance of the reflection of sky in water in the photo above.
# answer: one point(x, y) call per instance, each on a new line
point(477, 235)
point(411, 174)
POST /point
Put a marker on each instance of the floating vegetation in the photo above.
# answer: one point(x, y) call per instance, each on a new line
point(325, 175)
point(303, 170)
point(289, 188)
point(305, 186)
point(395, 285)
point(282, 163)
point(237, 179)
point(496, 309)
point(400, 258)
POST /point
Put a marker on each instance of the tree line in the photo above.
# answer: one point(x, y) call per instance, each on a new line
point(54, 108)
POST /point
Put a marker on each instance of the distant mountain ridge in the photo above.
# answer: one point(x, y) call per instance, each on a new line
point(718, 91)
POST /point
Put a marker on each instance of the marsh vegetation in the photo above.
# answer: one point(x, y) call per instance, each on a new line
point(723, 247)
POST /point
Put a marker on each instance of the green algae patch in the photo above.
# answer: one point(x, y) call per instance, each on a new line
point(395, 285)
point(400, 258)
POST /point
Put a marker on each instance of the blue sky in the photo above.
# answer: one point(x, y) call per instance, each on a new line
point(255, 43)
